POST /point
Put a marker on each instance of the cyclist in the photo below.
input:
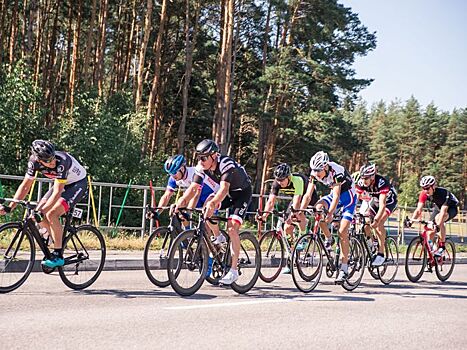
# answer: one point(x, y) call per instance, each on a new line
point(290, 184)
point(445, 208)
point(342, 195)
point(382, 202)
point(234, 193)
point(69, 187)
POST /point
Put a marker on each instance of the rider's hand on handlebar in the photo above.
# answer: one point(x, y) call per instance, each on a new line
point(329, 217)
point(152, 214)
point(209, 209)
point(4, 210)
point(261, 217)
point(407, 222)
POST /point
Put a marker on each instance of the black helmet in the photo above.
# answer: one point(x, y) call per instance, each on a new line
point(43, 150)
point(207, 146)
point(282, 171)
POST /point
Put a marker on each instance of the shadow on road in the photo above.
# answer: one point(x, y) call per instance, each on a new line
point(130, 294)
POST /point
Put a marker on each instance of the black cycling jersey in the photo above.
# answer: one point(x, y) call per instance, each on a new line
point(440, 197)
point(226, 170)
point(297, 185)
point(66, 170)
point(379, 186)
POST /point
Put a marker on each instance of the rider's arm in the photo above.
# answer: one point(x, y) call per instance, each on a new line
point(190, 192)
point(165, 198)
point(382, 206)
point(308, 196)
point(418, 211)
point(296, 201)
point(336, 192)
point(269, 204)
point(194, 201)
point(221, 194)
point(22, 190)
point(56, 193)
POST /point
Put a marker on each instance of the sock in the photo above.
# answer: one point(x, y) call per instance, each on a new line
point(345, 268)
point(57, 252)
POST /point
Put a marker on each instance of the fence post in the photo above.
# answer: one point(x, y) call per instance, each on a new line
point(143, 222)
point(110, 206)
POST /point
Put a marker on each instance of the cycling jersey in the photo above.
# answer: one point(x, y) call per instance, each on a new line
point(380, 185)
point(440, 197)
point(226, 170)
point(336, 174)
point(208, 187)
point(67, 169)
point(297, 186)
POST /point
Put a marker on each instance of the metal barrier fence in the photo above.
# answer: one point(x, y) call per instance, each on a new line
point(458, 226)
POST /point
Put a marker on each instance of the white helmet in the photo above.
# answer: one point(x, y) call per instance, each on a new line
point(319, 161)
point(368, 170)
point(427, 181)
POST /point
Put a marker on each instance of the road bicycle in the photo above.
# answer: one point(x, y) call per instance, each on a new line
point(197, 250)
point(276, 251)
point(308, 261)
point(83, 250)
point(387, 272)
point(420, 255)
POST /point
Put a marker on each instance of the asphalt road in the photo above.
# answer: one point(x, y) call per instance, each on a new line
point(123, 310)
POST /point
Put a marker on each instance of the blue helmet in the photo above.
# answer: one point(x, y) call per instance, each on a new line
point(173, 164)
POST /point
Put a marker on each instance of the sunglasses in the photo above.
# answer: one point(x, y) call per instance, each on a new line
point(426, 188)
point(317, 170)
point(203, 158)
point(281, 179)
point(47, 161)
point(365, 177)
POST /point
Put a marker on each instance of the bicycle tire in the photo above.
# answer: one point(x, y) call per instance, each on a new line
point(273, 245)
point(16, 264)
point(155, 260)
point(194, 263)
point(311, 255)
point(412, 255)
point(448, 255)
point(246, 262)
point(388, 271)
point(84, 252)
point(356, 264)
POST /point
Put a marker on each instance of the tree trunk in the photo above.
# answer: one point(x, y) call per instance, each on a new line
point(129, 49)
point(13, 32)
point(74, 63)
point(154, 97)
point(48, 76)
point(100, 68)
point(2, 22)
point(89, 41)
point(189, 46)
point(142, 53)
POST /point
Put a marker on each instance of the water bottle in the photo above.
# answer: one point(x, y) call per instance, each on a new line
point(375, 245)
point(431, 245)
point(210, 261)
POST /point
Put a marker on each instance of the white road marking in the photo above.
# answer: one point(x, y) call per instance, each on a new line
point(250, 302)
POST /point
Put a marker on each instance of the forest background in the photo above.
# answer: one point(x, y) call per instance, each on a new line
point(122, 85)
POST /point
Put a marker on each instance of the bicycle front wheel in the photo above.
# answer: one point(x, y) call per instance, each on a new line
point(249, 263)
point(356, 265)
point(307, 263)
point(415, 260)
point(156, 254)
point(445, 264)
point(17, 252)
point(84, 254)
point(187, 276)
point(272, 256)
point(388, 271)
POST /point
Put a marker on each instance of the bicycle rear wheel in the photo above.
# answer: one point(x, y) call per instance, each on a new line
point(17, 253)
point(272, 256)
point(187, 276)
point(445, 264)
point(388, 271)
point(356, 265)
point(415, 259)
point(156, 254)
point(307, 263)
point(84, 253)
point(249, 263)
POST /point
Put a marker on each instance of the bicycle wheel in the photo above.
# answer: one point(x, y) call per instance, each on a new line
point(356, 265)
point(388, 271)
point(17, 253)
point(156, 254)
point(445, 264)
point(307, 263)
point(272, 256)
point(249, 263)
point(187, 276)
point(84, 253)
point(415, 259)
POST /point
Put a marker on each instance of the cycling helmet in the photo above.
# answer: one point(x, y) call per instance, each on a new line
point(43, 150)
point(207, 146)
point(282, 171)
point(427, 181)
point(173, 164)
point(319, 161)
point(368, 169)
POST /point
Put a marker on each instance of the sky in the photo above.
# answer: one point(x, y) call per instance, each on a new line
point(421, 51)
